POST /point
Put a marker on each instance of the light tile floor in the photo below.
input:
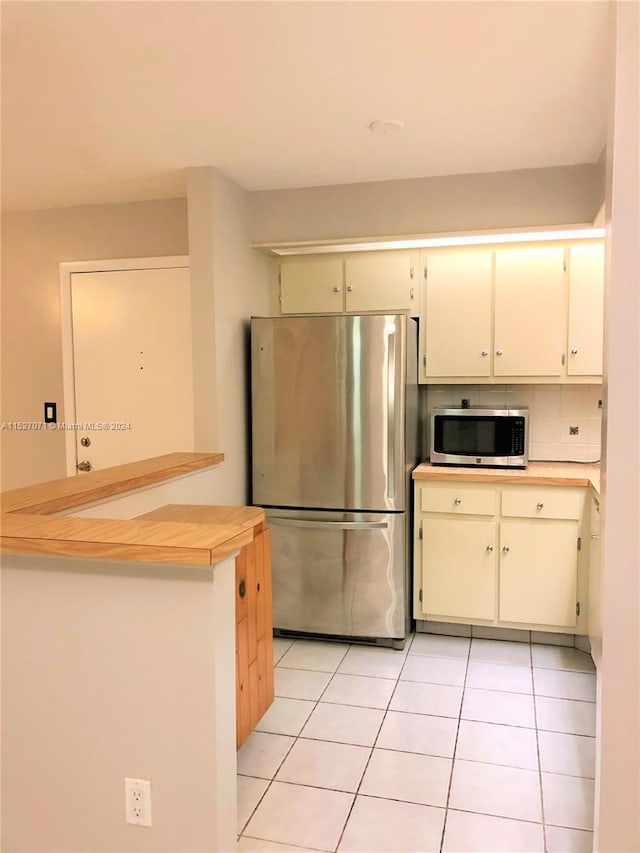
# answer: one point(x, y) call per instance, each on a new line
point(451, 745)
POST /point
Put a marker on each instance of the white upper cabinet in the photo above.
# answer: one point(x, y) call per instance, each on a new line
point(311, 286)
point(355, 283)
point(381, 281)
point(586, 304)
point(529, 312)
point(519, 314)
point(457, 334)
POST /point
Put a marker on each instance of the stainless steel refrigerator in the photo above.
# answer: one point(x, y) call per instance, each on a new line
point(334, 441)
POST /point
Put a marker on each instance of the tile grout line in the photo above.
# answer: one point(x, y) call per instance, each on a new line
point(535, 720)
point(398, 679)
point(295, 737)
point(455, 746)
point(373, 746)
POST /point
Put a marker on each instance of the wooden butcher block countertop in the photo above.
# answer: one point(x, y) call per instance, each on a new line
point(197, 536)
point(535, 474)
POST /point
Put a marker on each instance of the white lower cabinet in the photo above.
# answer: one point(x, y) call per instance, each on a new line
point(539, 572)
point(507, 556)
point(459, 567)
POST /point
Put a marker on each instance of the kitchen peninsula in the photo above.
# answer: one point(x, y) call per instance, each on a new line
point(118, 660)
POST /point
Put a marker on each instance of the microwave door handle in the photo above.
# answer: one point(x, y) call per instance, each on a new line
point(327, 525)
point(391, 413)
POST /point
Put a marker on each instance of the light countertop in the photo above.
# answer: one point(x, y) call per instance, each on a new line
point(188, 535)
point(536, 473)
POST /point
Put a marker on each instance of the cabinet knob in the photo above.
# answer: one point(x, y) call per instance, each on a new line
point(457, 502)
point(336, 290)
point(539, 506)
point(484, 353)
point(505, 549)
point(499, 352)
point(349, 288)
point(574, 351)
point(490, 549)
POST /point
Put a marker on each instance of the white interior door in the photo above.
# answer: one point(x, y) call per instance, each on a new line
point(132, 364)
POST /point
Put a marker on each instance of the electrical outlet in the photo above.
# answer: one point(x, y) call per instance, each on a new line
point(137, 801)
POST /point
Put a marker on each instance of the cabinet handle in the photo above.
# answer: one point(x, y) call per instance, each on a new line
point(242, 589)
point(499, 352)
point(505, 549)
point(349, 288)
point(336, 289)
point(490, 549)
point(539, 506)
point(574, 351)
point(484, 353)
point(457, 502)
point(595, 535)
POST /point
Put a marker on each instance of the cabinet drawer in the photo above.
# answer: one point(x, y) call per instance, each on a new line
point(461, 501)
point(543, 502)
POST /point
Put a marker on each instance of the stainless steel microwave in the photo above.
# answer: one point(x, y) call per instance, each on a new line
point(494, 438)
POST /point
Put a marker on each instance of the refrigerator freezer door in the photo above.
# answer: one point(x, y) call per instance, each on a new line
point(328, 424)
point(339, 574)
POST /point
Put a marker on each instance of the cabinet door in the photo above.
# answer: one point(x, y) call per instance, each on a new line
point(586, 306)
point(595, 585)
point(529, 312)
point(458, 568)
point(381, 281)
point(539, 572)
point(458, 312)
point(311, 287)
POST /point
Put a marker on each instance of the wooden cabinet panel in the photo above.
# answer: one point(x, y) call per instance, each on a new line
point(241, 585)
point(252, 602)
point(586, 309)
point(459, 568)
point(539, 572)
point(458, 314)
point(255, 688)
point(529, 312)
point(243, 709)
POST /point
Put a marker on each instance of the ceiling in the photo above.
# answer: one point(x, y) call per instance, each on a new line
point(111, 101)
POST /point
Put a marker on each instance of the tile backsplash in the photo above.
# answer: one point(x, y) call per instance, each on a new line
point(555, 411)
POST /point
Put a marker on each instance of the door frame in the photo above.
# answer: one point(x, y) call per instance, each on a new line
point(67, 269)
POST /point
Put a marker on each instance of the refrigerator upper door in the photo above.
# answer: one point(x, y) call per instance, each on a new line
point(328, 422)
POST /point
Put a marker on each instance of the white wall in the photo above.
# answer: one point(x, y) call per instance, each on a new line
point(493, 200)
point(34, 243)
point(229, 283)
point(115, 669)
point(618, 803)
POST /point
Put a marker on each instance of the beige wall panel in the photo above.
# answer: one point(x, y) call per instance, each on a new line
point(112, 671)
point(524, 198)
point(34, 243)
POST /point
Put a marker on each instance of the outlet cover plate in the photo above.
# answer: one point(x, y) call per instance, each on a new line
point(137, 801)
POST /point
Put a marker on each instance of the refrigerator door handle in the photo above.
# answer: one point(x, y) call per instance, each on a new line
point(327, 525)
point(391, 412)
